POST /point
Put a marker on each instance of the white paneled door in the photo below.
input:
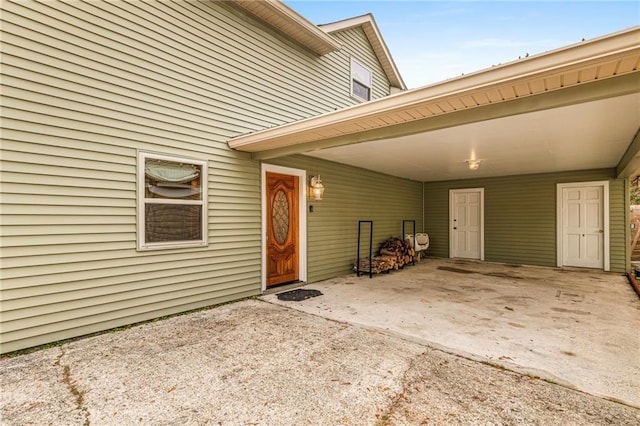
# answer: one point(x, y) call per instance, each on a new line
point(583, 226)
point(466, 223)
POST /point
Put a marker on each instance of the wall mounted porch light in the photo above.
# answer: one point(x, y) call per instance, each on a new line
point(316, 188)
point(473, 164)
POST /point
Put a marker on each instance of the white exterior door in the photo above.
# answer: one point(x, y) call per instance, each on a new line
point(466, 223)
point(583, 226)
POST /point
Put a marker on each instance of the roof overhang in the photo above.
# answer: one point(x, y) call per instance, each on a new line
point(578, 79)
point(371, 30)
point(587, 62)
point(281, 17)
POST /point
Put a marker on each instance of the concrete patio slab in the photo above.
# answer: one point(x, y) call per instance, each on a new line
point(577, 328)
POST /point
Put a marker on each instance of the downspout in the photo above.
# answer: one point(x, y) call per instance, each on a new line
point(628, 252)
point(634, 282)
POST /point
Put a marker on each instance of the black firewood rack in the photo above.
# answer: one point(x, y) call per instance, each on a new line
point(413, 222)
point(365, 223)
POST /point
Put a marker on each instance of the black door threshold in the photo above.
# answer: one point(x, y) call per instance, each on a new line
point(284, 287)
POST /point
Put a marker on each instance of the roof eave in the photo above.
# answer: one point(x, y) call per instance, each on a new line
point(624, 44)
point(371, 30)
point(286, 20)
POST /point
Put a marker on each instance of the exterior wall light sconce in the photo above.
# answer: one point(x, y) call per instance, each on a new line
point(473, 164)
point(316, 188)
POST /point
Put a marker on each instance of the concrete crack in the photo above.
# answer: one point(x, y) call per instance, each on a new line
point(78, 395)
point(384, 419)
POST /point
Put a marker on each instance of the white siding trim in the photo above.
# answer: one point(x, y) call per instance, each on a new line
point(302, 216)
point(559, 228)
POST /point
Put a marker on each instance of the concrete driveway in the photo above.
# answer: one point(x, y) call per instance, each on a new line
point(576, 328)
point(259, 363)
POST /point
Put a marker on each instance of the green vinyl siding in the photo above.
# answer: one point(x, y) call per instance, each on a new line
point(352, 194)
point(618, 225)
point(86, 86)
point(356, 45)
point(520, 216)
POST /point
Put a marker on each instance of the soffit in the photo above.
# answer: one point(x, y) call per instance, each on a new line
point(370, 28)
point(584, 136)
point(536, 77)
point(287, 21)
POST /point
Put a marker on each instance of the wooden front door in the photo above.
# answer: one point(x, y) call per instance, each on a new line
point(282, 228)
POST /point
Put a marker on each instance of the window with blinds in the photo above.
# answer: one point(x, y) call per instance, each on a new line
point(171, 202)
point(360, 81)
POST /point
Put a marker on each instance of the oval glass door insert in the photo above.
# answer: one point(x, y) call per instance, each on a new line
point(280, 217)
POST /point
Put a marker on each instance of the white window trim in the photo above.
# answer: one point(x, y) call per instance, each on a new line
point(142, 201)
point(352, 77)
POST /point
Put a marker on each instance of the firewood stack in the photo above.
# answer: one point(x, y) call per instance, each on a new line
point(399, 249)
point(393, 254)
point(379, 264)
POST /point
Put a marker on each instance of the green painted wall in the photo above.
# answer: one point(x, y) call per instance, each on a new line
point(352, 194)
point(520, 216)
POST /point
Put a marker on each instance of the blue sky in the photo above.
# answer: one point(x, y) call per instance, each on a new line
point(432, 41)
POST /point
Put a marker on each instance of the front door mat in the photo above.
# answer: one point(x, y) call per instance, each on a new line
point(298, 294)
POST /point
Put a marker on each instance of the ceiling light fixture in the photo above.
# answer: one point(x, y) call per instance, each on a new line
point(473, 164)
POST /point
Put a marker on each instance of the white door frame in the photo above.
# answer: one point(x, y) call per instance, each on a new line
point(559, 222)
point(302, 218)
point(451, 210)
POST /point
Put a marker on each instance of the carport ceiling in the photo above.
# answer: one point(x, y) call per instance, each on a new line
point(589, 135)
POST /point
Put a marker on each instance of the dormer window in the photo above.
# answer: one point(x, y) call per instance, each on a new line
point(360, 81)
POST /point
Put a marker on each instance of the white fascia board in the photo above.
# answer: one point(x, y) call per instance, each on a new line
point(273, 12)
point(368, 22)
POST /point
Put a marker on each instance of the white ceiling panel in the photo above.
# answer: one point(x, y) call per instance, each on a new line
point(577, 137)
